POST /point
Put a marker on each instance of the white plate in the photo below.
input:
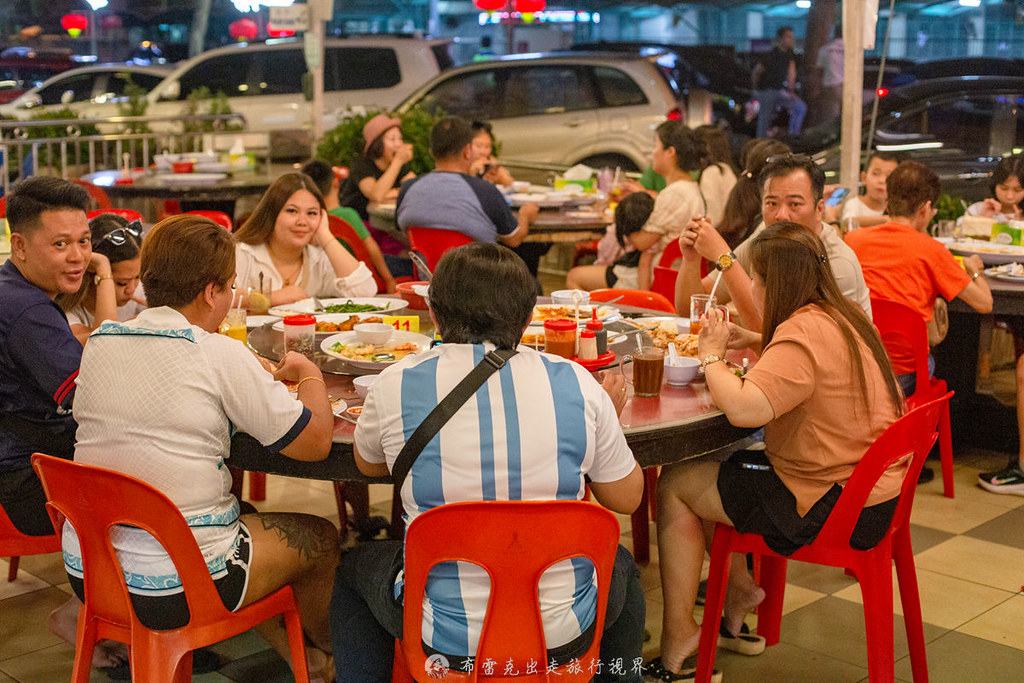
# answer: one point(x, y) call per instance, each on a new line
point(212, 167)
point(660, 320)
point(338, 406)
point(1005, 273)
point(189, 178)
point(544, 201)
point(384, 306)
point(328, 318)
point(399, 337)
point(604, 313)
point(991, 253)
point(257, 320)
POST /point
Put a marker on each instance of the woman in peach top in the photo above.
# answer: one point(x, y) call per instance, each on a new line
point(824, 391)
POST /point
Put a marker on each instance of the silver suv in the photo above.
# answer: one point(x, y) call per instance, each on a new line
point(594, 108)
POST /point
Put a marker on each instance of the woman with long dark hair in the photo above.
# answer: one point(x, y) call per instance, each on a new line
point(824, 391)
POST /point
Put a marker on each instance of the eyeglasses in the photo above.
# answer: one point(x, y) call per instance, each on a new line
point(119, 236)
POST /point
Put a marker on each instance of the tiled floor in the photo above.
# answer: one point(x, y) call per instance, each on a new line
point(970, 566)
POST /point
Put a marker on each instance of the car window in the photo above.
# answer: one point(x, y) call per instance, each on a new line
point(228, 74)
point(617, 88)
point(116, 83)
point(963, 123)
point(81, 85)
point(277, 72)
point(361, 68)
point(473, 95)
point(532, 90)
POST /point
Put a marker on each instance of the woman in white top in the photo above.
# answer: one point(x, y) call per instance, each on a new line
point(107, 290)
point(287, 243)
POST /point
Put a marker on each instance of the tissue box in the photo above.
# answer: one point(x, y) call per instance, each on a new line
point(1003, 233)
point(587, 185)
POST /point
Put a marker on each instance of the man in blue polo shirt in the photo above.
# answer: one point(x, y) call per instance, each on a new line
point(451, 198)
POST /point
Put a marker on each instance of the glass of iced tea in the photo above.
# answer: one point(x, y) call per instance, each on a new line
point(648, 369)
point(233, 324)
point(699, 305)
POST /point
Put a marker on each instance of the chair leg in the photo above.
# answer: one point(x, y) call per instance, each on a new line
point(946, 451)
point(714, 600)
point(85, 643)
point(651, 483)
point(12, 568)
point(641, 529)
point(399, 669)
point(339, 496)
point(257, 486)
point(769, 612)
point(906, 573)
point(876, 589)
point(296, 646)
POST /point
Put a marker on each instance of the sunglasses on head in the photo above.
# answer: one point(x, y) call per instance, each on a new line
point(119, 236)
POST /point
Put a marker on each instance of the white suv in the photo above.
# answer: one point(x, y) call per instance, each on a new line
point(596, 108)
point(263, 81)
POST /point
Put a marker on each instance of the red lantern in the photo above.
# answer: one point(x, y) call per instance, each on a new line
point(490, 5)
point(279, 32)
point(243, 29)
point(74, 24)
point(530, 6)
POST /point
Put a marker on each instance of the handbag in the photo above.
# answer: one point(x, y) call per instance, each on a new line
point(443, 411)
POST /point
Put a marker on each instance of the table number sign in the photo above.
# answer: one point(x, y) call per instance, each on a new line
point(403, 323)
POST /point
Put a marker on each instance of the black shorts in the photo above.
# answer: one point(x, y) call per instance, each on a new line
point(757, 502)
point(22, 498)
point(168, 612)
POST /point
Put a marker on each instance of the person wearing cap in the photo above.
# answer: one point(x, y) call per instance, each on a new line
point(375, 177)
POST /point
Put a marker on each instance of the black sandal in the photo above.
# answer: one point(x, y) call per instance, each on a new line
point(655, 672)
point(743, 642)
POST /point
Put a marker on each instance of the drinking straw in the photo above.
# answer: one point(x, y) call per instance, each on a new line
point(577, 297)
point(711, 297)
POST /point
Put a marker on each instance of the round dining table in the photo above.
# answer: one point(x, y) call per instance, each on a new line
point(680, 424)
point(217, 191)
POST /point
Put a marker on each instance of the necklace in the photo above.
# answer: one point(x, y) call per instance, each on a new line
point(295, 273)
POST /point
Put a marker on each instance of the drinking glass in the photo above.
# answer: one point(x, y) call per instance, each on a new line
point(259, 298)
point(648, 369)
point(233, 324)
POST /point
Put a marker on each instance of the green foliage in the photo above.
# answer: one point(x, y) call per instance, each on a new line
point(50, 154)
point(949, 207)
point(199, 102)
point(135, 104)
point(343, 144)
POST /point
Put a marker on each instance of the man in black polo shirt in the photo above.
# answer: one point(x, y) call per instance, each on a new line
point(775, 85)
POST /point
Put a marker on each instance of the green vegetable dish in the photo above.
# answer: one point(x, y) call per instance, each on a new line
point(351, 307)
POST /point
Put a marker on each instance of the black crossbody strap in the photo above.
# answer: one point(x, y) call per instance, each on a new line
point(443, 411)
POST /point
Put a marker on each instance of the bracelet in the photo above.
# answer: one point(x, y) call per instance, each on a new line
point(96, 279)
point(975, 276)
point(708, 360)
point(305, 379)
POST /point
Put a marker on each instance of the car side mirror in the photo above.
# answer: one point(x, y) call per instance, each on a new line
point(171, 91)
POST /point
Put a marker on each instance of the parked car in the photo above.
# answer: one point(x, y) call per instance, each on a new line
point(100, 84)
point(960, 127)
point(566, 108)
point(22, 68)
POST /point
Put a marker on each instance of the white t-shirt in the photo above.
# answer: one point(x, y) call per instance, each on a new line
point(975, 210)
point(716, 182)
point(854, 206)
point(674, 207)
point(830, 59)
point(159, 399)
point(317, 276)
point(531, 432)
point(80, 315)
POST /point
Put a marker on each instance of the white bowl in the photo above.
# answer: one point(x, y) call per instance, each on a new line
point(563, 297)
point(363, 384)
point(682, 372)
point(373, 333)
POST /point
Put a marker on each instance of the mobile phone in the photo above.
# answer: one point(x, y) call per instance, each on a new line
point(837, 197)
point(755, 466)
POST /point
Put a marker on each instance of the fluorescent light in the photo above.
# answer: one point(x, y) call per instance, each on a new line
point(970, 3)
point(806, 4)
point(97, 4)
point(906, 147)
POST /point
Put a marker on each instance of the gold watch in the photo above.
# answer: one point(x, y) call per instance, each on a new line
point(725, 261)
point(96, 279)
point(708, 360)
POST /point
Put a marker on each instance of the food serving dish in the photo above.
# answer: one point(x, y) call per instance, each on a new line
point(346, 346)
point(1010, 272)
point(338, 406)
point(991, 253)
point(365, 304)
point(189, 178)
point(332, 321)
point(542, 312)
point(667, 322)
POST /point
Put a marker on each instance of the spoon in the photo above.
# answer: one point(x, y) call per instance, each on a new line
point(673, 355)
point(421, 265)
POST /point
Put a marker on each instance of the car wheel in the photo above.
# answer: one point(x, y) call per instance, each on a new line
point(600, 161)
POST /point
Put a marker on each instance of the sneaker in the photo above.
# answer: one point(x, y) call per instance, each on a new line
point(1010, 480)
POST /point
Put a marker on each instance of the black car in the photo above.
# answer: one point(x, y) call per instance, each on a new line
point(959, 126)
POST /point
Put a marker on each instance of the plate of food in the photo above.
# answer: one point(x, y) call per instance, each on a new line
point(991, 253)
point(329, 323)
point(542, 312)
point(1009, 272)
point(668, 322)
point(190, 178)
point(686, 344)
point(350, 305)
point(351, 414)
point(347, 347)
point(535, 340)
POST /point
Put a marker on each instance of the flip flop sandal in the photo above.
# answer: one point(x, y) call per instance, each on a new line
point(744, 642)
point(655, 672)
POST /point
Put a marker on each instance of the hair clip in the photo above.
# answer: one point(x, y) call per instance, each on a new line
point(748, 174)
point(823, 258)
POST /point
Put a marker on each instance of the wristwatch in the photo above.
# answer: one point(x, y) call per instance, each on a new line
point(975, 276)
point(725, 261)
point(709, 359)
point(100, 278)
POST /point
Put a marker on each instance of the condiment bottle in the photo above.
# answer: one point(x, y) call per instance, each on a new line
point(601, 334)
point(299, 334)
point(588, 345)
point(560, 337)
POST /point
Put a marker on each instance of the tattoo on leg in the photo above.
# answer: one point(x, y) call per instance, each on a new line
point(299, 532)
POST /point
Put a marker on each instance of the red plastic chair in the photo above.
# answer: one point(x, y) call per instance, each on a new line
point(523, 539)
point(93, 500)
point(914, 434)
point(343, 230)
point(433, 242)
point(126, 214)
point(664, 282)
point(582, 250)
point(904, 333)
point(641, 298)
point(168, 207)
point(96, 193)
point(3, 207)
point(670, 255)
point(14, 544)
point(218, 217)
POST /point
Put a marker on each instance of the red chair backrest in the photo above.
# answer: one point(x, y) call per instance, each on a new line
point(904, 335)
point(93, 500)
point(343, 230)
point(433, 242)
point(3, 207)
point(664, 282)
point(914, 433)
point(97, 194)
point(126, 214)
point(641, 298)
point(523, 539)
point(218, 217)
point(13, 543)
point(671, 254)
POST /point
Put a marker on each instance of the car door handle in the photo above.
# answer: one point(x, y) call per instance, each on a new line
point(573, 124)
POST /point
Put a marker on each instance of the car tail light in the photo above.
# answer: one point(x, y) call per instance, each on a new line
point(674, 114)
point(882, 92)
